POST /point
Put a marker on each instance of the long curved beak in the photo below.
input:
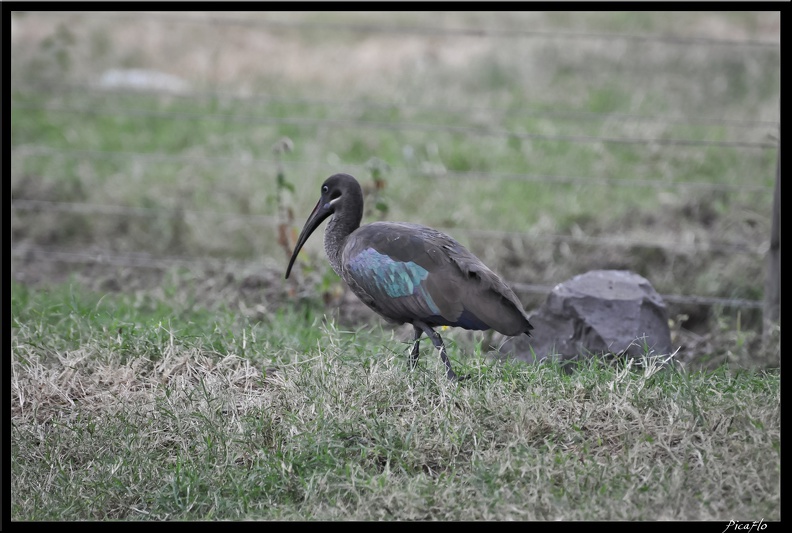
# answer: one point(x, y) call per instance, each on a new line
point(319, 213)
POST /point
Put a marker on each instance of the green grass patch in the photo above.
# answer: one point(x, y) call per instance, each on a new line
point(135, 409)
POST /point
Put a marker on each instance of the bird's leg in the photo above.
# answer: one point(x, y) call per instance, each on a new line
point(438, 343)
point(414, 353)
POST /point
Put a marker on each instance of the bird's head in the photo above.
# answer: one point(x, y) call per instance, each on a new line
point(340, 194)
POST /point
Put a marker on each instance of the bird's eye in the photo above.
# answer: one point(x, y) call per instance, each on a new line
point(324, 189)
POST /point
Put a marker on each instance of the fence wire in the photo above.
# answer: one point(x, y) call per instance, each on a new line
point(32, 86)
point(147, 261)
point(216, 19)
point(384, 125)
point(120, 210)
point(154, 157)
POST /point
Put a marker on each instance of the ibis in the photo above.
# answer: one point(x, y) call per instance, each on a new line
point(410, 274)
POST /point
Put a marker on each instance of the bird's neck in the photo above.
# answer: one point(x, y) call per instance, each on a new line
point(335, 237)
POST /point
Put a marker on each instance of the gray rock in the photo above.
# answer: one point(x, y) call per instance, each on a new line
point(600, 312)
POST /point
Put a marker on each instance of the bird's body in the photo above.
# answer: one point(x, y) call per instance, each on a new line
point(408, 273)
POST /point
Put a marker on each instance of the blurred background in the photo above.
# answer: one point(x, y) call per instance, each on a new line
point(179, 154)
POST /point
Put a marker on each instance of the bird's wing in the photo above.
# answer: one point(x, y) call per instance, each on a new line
point(483, 293)
point(395, 289)
point(407, 271)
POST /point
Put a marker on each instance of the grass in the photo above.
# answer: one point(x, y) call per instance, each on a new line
point(127, 408)
point(218, 391)
point(242, 180)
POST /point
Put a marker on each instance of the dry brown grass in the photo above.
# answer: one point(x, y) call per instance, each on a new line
point(344, 433)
